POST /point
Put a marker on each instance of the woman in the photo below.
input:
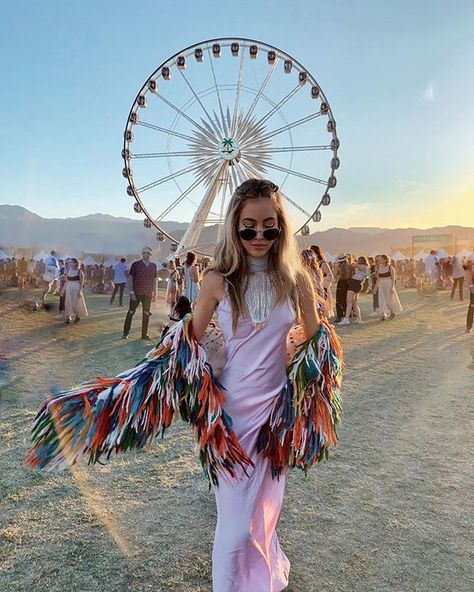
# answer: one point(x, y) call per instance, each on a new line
point(75, 305)
point(374, 265)
point(269, 418)
point(171, 286)
point(308, 259)
point(360, 271)
point(389, 303)
point(191, 278)
point(328, 278)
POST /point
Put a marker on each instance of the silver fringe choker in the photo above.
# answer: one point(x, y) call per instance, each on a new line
point(260, 293)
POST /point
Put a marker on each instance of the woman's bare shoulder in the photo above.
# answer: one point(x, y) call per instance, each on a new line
point(213, 282)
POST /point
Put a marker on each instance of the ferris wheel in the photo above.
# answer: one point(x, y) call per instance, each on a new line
point(215, 114)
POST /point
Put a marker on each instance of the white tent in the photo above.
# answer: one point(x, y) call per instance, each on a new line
point(441, 254)
point(420, 255)
point(398, 256)
point(374, 254)
point(465, 253)
point(328, 256)
point(110, 262)
point(64, 257)
point(41, 255)
point(3, 255)
point(89, 261)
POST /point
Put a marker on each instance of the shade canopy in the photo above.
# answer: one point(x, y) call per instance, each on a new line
point(89, 261)
point(441, 254)
point(398, 256)
point(420, 255)
point(41, 255)
point(3, 255)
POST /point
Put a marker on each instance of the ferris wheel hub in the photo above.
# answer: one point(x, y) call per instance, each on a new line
point(229, 149)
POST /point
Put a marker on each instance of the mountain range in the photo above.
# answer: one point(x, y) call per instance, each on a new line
point(102, 234)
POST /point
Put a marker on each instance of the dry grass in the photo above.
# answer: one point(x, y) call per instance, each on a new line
point(392, 510)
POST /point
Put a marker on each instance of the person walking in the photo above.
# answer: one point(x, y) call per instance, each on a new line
point(268, 420)
point(328, 278)
point(360, 271)
point(171, 287)
point(191, 278)
point(458, 276)
point(74, 302)
point(142, 289)
point(120, 280)
point(50, 275)
point(343, 274)
point(389, 302)
point(374, 266)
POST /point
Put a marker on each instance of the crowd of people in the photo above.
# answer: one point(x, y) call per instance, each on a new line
point(338, 283)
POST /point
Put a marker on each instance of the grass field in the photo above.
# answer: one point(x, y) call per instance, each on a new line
point(392, 510)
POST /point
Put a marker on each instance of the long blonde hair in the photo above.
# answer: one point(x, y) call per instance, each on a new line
point(284, 264)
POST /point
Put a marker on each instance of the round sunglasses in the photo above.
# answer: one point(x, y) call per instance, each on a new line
point(248, 234)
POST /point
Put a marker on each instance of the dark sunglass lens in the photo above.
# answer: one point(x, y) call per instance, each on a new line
point(247, 234)
point(271, 233)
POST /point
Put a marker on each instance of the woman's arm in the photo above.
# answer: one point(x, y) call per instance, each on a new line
point(327, 270)
point(210, 294)
point(194, 273)
point(377, 281)
point(62, 292)
point(309, 314)
point(392, 274)
point(81, 280)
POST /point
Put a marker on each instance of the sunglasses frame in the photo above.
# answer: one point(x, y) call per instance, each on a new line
point(254, 232)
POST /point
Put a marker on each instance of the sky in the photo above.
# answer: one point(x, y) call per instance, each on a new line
point(399, 77)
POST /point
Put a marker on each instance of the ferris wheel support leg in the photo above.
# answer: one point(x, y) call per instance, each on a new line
point(194, 230)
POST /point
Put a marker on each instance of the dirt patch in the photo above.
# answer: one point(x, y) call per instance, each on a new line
point(391, 510)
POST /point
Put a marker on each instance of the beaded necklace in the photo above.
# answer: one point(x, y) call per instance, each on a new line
point(260, 293)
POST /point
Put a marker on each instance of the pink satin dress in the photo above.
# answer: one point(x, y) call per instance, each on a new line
point(246, 555)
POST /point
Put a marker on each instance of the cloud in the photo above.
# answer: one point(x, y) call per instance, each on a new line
point(428, 93)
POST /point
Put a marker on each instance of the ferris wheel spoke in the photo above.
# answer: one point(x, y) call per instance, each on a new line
point(166, 131)
point(264, 84)
point(255, 170)
point(224, 188)
point(291, 149)
point(291, 125)
point(294, 173)
point(211, 121)
point(237, 93)
point(202, 129)
point(272, 111)
point(202, 153)
point(297, 206)
point(217, 92)
point(179, 199)
point(188, 169)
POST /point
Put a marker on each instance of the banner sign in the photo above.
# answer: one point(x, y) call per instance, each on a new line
point(446, 239)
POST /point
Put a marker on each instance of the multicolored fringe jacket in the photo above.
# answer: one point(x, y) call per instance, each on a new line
point(107, 415)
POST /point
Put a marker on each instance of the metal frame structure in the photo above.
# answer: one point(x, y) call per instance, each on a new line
point(229, 147)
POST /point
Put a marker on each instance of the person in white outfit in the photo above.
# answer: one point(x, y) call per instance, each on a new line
point(191, 278)
point(458, 276)
point(389, 302)
point(432, 268)
point(75, 304)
